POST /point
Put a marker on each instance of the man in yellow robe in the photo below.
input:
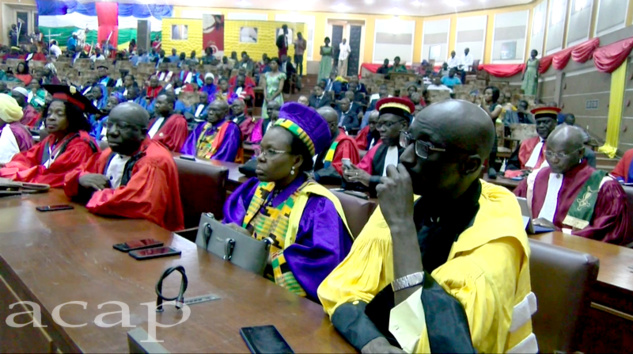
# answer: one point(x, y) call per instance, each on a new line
point(449, 270)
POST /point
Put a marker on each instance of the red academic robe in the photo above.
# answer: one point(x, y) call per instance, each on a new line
point(246, 127)
point(153, 92)
point(27, 166)
point(30, 116)
point(525, 151)
point(247, 90)
point(173, 133)
point(623, 167)
point(361, 138)
point(152, 192)
point(345, 149)
point(366, 164)
point(610, 220)
point(248, 81)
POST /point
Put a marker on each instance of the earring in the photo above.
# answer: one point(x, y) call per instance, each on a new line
point(292, 171)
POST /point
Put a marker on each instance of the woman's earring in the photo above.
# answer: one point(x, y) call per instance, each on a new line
point(292, 170)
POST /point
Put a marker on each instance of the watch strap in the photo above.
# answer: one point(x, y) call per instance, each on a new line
point(407, 281)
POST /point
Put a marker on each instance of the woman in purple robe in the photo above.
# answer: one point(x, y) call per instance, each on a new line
point(14, 137)
point(304, 220)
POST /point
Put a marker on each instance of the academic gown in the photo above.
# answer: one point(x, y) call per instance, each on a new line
point(374, 161)
point(622, 170)
point(524, 153)
point(173, 132)
point(247, 91)
point(30, 116)
point(345, 149)
point(247, 82)
point(322, 239)
point(476, 290)
point(366, 141)
point(259, 130)
point(610, 219)
point(150, 191)
point(28, 166)
point(14, 138)
point(226, 140)
point(246, 124)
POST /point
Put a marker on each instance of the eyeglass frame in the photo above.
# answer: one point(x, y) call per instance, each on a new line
point(267, 153)
point(565, 155)
point(388, 124)
point(405, 140)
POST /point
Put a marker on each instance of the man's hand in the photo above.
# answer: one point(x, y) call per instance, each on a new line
point(355, 174)
point(395, 195)
point(95, 181)
point(380, 345)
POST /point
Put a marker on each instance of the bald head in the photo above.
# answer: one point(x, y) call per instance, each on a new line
point(331, 117)
point(127, 128)
point(460, 124)
point(565, 148)
point(131, 113)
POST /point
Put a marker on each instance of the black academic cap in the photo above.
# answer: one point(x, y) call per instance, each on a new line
point(71, 95)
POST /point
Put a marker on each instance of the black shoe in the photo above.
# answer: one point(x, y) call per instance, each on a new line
point(492, 173)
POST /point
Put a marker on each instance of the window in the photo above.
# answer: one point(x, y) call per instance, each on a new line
point(248, 34)
point(179, 32)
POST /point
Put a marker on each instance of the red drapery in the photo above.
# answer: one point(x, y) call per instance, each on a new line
point(108, 17)
point(502, 70)
point(545, 63)
point(561, 59)
point(584, 51)
point(610, 57)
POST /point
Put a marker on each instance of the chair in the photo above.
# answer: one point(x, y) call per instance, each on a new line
point(357, 211)
point(202, 189)
point(561, 279)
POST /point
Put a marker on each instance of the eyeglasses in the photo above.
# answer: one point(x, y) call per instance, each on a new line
point(386, 124)
point(560, 155)
point(271, 153)
point(422, 148)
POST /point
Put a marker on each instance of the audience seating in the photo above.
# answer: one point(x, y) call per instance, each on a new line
point(357, 211)
point(202, 189)
point(561, 279)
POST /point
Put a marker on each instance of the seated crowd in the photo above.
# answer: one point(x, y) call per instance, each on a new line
point(443, 247)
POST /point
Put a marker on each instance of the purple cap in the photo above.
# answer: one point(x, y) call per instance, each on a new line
point(305, 123)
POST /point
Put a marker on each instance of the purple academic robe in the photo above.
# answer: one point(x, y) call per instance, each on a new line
point(322, 239)
point(22, 136)
point(229, 146)
point(610, 220)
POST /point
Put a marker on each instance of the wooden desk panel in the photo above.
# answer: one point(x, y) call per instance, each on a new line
point(67, 256)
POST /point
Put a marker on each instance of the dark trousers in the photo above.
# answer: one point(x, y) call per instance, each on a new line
point(299, 64)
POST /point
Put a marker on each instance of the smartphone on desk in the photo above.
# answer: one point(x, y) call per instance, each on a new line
point(188, 157)
point(156, 252)
point(264, 339)
point(45, 208)
point(137, 245)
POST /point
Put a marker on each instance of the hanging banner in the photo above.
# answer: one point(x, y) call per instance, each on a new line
point(213, 33)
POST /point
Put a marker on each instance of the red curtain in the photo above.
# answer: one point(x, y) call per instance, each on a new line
point(610, 57)
point(584, 51)
point(108, 17)
point(503, 70)
point(562, 58)
point(545, 64)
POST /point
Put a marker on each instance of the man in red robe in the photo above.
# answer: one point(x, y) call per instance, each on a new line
point(569, 194)
point(328, 165)
point(531, 152)
point(394, 118)
point(369, 136)
point(242, 88)
point(168, 128)
point(136, 177)
point(246, 123)
point(623, 171)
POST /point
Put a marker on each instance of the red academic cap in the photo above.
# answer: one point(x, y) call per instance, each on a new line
point(71, 95)
point(399, 106)
point(545, 112)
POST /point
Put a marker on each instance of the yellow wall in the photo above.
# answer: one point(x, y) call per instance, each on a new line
point(194, 42)
point(266, 38)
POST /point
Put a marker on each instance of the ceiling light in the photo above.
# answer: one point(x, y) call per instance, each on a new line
point(369, 2)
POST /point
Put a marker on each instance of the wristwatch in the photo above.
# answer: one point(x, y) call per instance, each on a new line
point(407, 281)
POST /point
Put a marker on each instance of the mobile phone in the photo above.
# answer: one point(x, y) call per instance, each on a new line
point(137, 245)
point(264, 339)
point(156, 252)
point(347, 163)
point(45, 208)
point(188, 157)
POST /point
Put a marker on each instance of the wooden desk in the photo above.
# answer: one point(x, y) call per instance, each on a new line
point(57, 257)
point(610, 322)
point(235, 178)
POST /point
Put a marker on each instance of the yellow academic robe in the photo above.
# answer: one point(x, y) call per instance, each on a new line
point(487, 271)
